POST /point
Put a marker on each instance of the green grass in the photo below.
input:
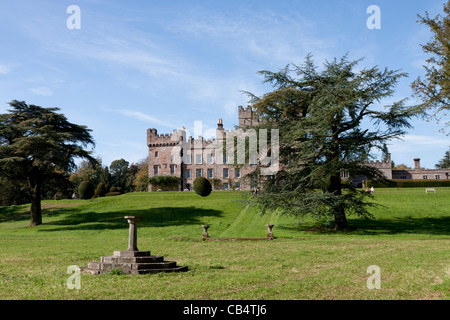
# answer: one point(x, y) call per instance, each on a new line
point(409, 240)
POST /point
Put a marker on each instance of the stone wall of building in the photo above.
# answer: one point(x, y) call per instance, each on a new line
point(187, 157)
point(421, 174)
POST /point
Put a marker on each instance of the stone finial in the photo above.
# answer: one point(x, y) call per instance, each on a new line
point(205, 232)
point(269, 229)
point(132, 238)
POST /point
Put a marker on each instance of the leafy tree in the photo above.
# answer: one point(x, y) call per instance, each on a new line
point(13, 192)
point(385, 155)
point(402, 166)
point(37, 145)
point(140, 182)
point(87, 170)
point(105, 178)
point(119, 170)
point(132, 171)
point(322, 118)
point(444, 163)
point(434, 90)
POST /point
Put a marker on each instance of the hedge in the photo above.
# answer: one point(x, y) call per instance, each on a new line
point(408, 183)
point(111, 194)
point(165, 183)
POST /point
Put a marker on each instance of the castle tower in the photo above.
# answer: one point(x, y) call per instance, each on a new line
point(245, 116)
point(164, 153)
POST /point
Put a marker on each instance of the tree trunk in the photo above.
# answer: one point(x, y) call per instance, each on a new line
point(339, 213)
point(340, 219)
point(35, 209)
point(335, 183)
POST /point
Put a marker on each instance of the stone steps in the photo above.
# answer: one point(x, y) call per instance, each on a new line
point(133, 262)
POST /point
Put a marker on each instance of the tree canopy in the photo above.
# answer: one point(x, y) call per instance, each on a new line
point(434, 89)
point(444, 163)
point(330, 122)
point(38, 145)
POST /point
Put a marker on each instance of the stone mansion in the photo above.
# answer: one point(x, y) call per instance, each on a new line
point(185, 157)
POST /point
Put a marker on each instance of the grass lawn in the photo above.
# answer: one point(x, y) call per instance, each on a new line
point(409, 241)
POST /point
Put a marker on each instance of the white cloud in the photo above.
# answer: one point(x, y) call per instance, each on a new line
point(420, 140)
point(256, 36)
point(419, 143)
point(42, 91)
point(4, 69)
point(144, 117)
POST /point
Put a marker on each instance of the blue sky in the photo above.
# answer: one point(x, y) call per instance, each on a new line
point(134, 65)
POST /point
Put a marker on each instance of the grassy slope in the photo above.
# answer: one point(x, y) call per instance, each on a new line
point(409, 241)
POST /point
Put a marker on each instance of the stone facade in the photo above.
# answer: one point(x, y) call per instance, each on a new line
point(421, 174)
point(417, 173)
point(186, 157)
point(384, 166)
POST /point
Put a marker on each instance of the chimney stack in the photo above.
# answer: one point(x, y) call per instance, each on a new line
point(417, 164)
point(219, 130)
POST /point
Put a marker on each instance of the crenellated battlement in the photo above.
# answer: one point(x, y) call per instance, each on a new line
point(165, 139)
point(379, 164)
point(247, 111)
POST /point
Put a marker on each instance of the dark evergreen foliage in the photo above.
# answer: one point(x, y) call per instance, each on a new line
point(202, 186)
point(329, 123)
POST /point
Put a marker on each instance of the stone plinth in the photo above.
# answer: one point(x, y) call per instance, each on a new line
point(205, 234)
point(269, 230)
point(132, 237)
point(133, 261)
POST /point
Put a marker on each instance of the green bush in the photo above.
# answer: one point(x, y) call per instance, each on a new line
point(165, 183)
point(110, 194)
point(202, 186)
point(86, 190)
point(116, 189)
point(216, 183)
point(100, 191)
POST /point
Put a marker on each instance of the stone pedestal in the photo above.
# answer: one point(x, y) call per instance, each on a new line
point(269, 230)
point(132, 237)
point(205, 234)
point(133, 261)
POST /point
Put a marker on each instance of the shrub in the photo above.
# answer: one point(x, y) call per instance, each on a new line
point(165, 183)
point(60, 196)
point(202, 186)
point(86, 190)
point(100, 191)
point(216, 183)
point(115, 189)
point(110, 194)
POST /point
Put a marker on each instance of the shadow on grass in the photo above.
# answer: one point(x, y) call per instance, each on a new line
point(14, 213)
point(22, 212)
point(406, 225)
point(154, 217)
